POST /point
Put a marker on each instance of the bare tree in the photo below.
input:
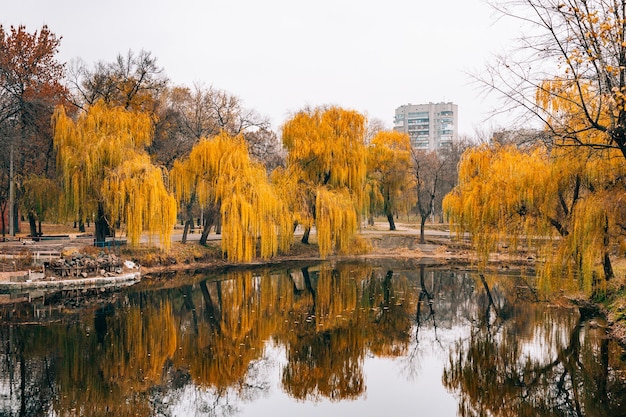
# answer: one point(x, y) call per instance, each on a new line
point(436, 174)
point(569, 72)
point(133, 81)
point(265, 146)
point(428, 168)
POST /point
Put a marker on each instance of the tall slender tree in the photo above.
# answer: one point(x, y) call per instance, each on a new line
point(389, 163)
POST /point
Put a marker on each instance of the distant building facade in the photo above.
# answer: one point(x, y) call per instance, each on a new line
point(430, 126)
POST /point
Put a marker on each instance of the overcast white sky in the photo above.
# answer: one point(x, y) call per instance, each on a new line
point(281, 55)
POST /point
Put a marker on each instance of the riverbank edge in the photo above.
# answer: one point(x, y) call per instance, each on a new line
point(128, 278)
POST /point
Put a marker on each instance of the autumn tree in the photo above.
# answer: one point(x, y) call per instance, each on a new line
point(571, 63)
point(326, 164)
point(222, 178)
point(30, 87)
point(568, 197)
point(389, 174)
point(428, 168)
point(106, 173)
point(265, 146)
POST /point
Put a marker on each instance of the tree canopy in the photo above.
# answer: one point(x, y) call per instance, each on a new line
point(327, 163)
point(31, 84)
point(105, 171)
point(388, 173)
point(563, 202)
point(219, 173)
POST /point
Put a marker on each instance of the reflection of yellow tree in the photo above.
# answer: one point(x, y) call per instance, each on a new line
point(542, 372)
point(336, 295)
point(138, 347)
point(83, 376)
point(351, 309)
point(390, 323)
point(326, 364)
point(240, 314)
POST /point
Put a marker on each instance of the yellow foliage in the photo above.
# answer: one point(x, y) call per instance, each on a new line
point(325, 176)
point(219, 172)
point(564, 202)
point(40, 195)
point(102, 162)
point(136, 352)
point(388, 170)
point(135, 193)
point(336, 220)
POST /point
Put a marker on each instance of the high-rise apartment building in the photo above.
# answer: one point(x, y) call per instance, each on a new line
point(430, 126)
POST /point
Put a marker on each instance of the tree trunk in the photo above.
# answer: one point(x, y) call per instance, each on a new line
point(392, 224)
point(102, 226)
point(608, 268)
point(208, 223)
point(183, 240)
point(606, 262)
point(422, 227)
point(389, 213)
point(2, 213)
point(212, 215)
point(188, 222)
point(489, 297)
point(305, 235)
point(32, 223)
point(81, 226)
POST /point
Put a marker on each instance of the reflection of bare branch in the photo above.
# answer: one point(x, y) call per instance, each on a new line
point(425, 295)
point(488, 291)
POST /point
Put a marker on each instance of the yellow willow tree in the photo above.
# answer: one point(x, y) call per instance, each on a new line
point(389, 173)
point(219, 174)
point(135, 192)
point(557, 201)
point(327, 165)
point(102, 153)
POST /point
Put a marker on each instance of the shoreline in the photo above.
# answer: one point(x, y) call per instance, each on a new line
point(128, 278)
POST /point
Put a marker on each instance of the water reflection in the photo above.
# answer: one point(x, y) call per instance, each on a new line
point(219, 345)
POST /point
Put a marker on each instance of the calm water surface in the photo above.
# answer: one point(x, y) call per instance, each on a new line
point(343, 339)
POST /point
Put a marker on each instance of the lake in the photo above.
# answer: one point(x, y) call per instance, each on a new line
point(368, 338)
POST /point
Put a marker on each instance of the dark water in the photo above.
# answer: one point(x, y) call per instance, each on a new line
point(345, 339)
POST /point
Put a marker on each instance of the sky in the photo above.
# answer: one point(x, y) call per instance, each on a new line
point(279, 56)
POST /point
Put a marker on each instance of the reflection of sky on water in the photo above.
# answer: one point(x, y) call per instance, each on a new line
point(406, 385)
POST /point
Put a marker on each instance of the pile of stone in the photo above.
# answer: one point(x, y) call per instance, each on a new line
point(83, 265)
